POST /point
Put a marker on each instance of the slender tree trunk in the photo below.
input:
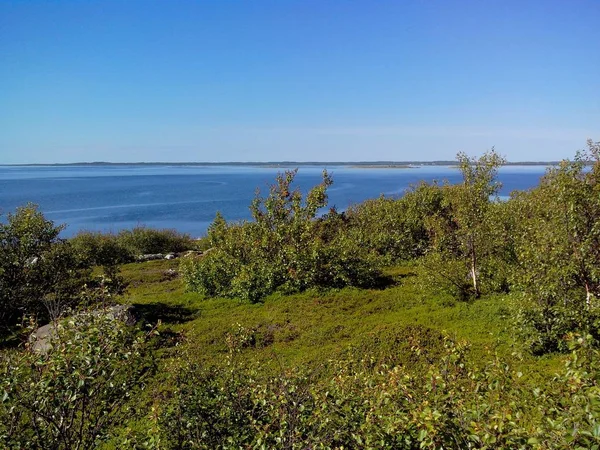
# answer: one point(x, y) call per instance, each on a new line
point(588, 296)
point(474, 270)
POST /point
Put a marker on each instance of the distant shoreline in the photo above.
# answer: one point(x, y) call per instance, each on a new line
point(384, 166)
point(283, 164)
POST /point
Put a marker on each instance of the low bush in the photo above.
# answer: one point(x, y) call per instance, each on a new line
point(40, 274)
point(447, 403)
point(287, 248)
point(108, 249)
point(543, 328)
point(395, 228)
point(144, 240)
point(101, 249)
point(72, 395)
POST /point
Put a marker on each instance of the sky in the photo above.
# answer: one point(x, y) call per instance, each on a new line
point(144, 80)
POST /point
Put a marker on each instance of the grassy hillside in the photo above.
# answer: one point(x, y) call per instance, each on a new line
point(310, 328)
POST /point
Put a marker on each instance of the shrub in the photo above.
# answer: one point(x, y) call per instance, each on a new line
point(396, 228)
point(286, 248)
point(558, 250)
point(464, 252)
point(144, 240)
point(448, 402)
point(40, 274)
point(73, 394)
point(101, 249)
point(545, 328)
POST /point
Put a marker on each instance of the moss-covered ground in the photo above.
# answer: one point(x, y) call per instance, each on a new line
point(306, 330)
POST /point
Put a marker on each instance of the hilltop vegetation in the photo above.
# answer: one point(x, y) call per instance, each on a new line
point(442, 319)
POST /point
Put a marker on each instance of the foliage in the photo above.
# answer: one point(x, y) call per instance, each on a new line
point(559, 251)
point(143, 240)
point(448, 403)
point(73, 394)
point(353, 368)
point(285, 248)
point(107, 249)
point(101, 249)
point(396, 228)
point(40, 273)
point(543, 328)
point(462, 250)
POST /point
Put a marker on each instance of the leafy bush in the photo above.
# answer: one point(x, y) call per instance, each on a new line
point(396, 228)
point(446, 403)
point(107, 249)
point(544, 329)
point(144, 240)
point(73, 394)
point(40, 274)
point(558, 251)
point(101, 249)
point(465, 254)
point(286, 248)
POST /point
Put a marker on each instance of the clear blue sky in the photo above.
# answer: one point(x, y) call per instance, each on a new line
point(298, 80)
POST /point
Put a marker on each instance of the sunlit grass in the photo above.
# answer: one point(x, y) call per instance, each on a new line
point(308, 329)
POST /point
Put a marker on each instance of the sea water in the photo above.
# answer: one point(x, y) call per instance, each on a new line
point(110, 198)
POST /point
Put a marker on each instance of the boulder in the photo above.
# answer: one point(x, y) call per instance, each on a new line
point(41, 338)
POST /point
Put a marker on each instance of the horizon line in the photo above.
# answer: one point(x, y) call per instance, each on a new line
point(269, 163)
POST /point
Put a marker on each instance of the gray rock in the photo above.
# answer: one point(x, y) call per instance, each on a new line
point(169, 274)
point(31, 261)
point(191, 253)
point(41, 338)
point(149, 257)
point(170, 256)
point(124, 313)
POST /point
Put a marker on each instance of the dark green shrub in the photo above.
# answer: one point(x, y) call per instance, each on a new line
point(443, 402)
point(101, 249)
point(395, 228)
point(144, 240)
point(466, 251)
point(557, 246)
point(545, 328)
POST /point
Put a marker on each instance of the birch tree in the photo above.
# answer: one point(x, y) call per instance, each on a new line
point(461, 232)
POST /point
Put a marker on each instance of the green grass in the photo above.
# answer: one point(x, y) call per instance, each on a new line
point(310, 328)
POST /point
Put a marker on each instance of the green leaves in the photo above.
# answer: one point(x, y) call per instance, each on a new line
point(466, 252)
point(70, 396)
point(558, 252)
point(36, 267)
point(286, 248)
point(448, 402)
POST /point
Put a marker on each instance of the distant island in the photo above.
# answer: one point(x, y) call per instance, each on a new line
point(384, 166)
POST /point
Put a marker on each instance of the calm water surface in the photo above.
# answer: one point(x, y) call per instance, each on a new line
point(111, 198)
